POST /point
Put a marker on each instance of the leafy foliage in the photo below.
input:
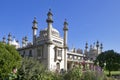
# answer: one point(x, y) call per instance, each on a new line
point(109, 59)
point(32, 69)
point(74, 74)
point(9, 58)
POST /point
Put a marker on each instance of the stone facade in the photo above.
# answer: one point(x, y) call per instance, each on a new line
point(52, 50)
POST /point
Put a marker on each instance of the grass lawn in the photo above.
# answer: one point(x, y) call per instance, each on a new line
point(112, 72)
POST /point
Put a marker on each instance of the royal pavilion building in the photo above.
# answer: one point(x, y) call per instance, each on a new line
point(52, 50)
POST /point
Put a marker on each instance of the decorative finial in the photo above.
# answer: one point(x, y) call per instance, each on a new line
point(17, 41)
point(65, 22)
point(86, 45)
point(97, 44)
point(65, 25)
point(26, 39)
point(101, 46)
point(34, 18)
point(49, 19)
point(4, 39)
point(49, 10)
point(34, 21)
point(9, 34)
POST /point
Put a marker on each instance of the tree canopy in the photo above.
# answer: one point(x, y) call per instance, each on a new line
point(110, 60)
point(9, 58)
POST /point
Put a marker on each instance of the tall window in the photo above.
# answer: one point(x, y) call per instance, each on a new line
point(59, 53)
point(23, 54)
point(58, 66)
point(39, 52)
point(30, 53)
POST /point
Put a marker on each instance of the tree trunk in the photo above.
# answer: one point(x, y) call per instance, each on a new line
point(109, 73)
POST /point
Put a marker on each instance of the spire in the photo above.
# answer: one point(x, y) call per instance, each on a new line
point(4, 39)
point(9, 38)
point(34, 27)
point(34, 23)
point(17, 41)
point(97, 44)
point(86, 46)
point(49, 19)
point(26, 39)
point(23, 42)
point(65, 29)
point(65, 25)
point(101, 47)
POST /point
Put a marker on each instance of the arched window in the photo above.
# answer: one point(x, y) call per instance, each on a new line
point(58, 67)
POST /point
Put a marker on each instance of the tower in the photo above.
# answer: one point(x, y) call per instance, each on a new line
point(23, 42)
point(65, 29)
point(101, 47)
point(34, 28)
point(49, 22)
point(4, 40)
point(86, 51)
point(9, 38)
point(49, 33)
point(26, 40)
point(97, 46)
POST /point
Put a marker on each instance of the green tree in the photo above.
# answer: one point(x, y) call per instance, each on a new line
point(9, 57)
point(111, 59)
point(101, 60)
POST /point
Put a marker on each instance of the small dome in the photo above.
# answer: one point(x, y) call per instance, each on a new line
point(55, 30)
point(15, 43)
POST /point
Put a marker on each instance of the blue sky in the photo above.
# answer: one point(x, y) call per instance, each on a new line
point(89, 20)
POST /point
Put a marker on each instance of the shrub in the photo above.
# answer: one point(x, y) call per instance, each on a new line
point(9, 58)
point(93, 75)
point(74, 74)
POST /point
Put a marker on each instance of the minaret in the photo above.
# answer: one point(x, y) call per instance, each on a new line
point(26, 40)
point(9, 38)
point(101, 47)
point(97, 46)
point(34, 28)
point(49, 33)
point(4, 40)
point(65, 29)
point(23, 42)
point(86, 47)
point(49, 22)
